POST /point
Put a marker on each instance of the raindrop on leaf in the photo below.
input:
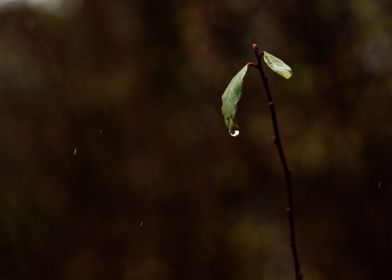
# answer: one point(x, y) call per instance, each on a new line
point(234, 132)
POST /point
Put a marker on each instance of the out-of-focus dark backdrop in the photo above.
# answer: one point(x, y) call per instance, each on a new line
point(115, 162)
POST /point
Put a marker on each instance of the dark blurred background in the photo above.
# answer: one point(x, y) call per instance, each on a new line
point(115, 162)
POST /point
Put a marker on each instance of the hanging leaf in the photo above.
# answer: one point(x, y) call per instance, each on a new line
point(230, 99)
point(277, 65)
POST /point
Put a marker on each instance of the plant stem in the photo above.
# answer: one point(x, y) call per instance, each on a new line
point(286, 169)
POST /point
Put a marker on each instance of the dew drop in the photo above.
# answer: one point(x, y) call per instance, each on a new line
point(234, 132)
point(75, 151)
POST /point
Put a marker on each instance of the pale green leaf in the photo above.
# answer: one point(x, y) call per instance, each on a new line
point(230, 99)
point(277, 65)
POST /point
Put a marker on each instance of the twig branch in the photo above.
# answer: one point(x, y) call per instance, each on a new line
point(286, 169)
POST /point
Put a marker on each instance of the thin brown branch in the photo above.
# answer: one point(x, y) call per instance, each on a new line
point(286, 169)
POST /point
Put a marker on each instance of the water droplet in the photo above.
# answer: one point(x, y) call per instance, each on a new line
point(141, 224)
point(234, 132)
point(75, 151)
point(100, 131)
point(379, 185)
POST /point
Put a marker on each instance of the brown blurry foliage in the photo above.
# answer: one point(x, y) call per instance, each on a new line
point(158, 189)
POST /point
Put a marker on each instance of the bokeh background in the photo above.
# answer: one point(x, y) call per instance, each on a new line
point(115, 162)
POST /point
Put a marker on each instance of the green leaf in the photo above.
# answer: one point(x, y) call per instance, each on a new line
point(277, 65)
point(230, 99)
